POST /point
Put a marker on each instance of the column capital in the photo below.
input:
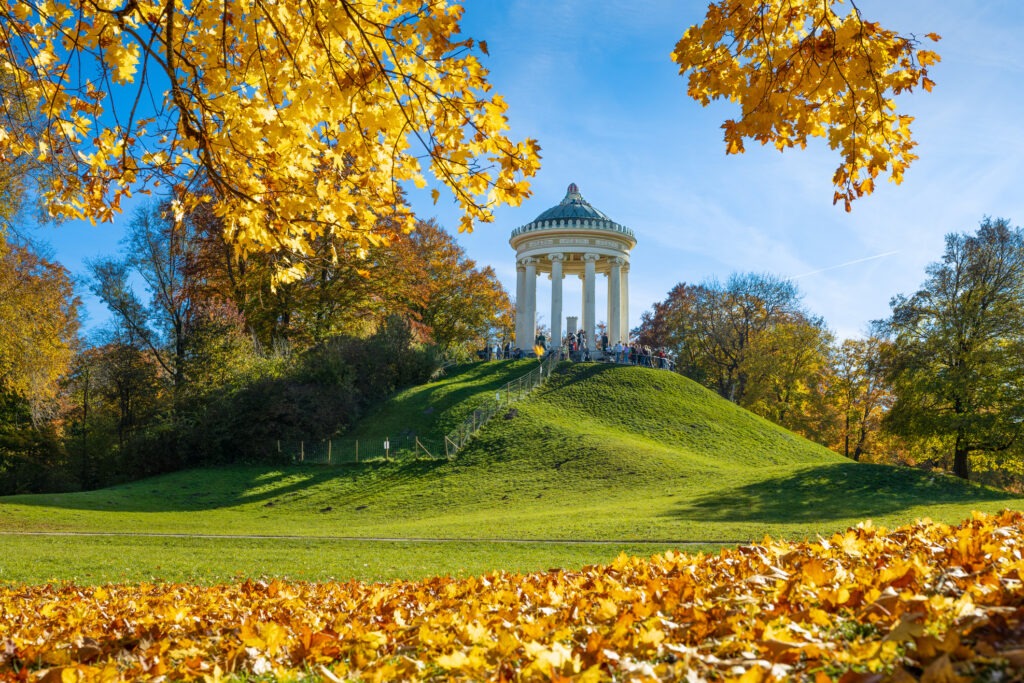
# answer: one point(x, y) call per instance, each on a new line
point(529, 261)
point(591, 257)
point(617, 261)
point(558, 256)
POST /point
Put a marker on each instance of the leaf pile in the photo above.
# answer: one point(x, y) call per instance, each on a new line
point(926, 602)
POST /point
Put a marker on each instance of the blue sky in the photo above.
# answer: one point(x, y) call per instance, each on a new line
point(594, 83)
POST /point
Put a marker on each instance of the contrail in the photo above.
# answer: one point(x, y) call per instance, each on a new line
point(843, 265)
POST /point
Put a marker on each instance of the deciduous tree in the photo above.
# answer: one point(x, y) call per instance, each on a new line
point(788, 372)
point(714, 326)
point(958, 347)
point(807, 68)
point(159, 251)
point(39, 319)
point(126, 386)
point(423, 276)
point(859, 393)
point(457, 302)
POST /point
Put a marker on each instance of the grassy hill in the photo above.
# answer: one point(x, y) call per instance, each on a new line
point(637, 458)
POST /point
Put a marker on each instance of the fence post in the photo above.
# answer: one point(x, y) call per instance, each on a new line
point(420, 445)
point(302, 451)
point(328, 451)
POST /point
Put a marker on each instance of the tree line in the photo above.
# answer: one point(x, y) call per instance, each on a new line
point(939, 381)
point(208, 358)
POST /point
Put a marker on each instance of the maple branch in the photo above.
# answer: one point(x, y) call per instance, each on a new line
point(450, 180)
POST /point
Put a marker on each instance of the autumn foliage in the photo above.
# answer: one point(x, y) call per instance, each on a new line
point(802, 69)
point(925, 602)
point(304, 117)
point(39, 316)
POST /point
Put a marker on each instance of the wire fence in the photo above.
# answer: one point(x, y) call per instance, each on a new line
point(513, 391)
point(342, 451)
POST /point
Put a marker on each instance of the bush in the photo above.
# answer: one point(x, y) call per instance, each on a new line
point(322, 393)
point(32, 457)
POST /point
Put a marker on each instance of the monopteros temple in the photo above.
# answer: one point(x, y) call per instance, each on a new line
point(572, 238)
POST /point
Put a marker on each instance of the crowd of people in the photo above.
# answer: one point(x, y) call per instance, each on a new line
point(574, 347)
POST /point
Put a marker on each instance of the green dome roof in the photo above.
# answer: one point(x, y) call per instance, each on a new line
point(574, 212)
point(573, 206)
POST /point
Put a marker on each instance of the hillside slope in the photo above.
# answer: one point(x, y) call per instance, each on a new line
point(600, 452)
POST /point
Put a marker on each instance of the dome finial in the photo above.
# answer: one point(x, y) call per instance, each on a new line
point(572, 195)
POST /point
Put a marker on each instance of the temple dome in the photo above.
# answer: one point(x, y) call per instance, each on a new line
point(573, 206)
point(573, 213)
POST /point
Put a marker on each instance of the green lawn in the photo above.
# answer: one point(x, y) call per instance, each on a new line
point(116, 559)
point(618, 454)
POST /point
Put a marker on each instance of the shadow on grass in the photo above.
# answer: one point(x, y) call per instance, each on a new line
point(836, 491)
point(226, 487)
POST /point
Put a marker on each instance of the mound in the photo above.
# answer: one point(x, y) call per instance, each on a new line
point(601, 453)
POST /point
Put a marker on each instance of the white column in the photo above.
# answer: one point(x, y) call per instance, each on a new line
point(556, 300)
point(608, 316)
point(624, 320)
point(530, 326)
point(520, 301)
point(615, 301)
point(589, 303)
point(583, 302)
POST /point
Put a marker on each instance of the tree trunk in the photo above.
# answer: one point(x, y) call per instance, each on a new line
point(863, 437)
point(85, 474)
point(961, 466)
point(846, 435)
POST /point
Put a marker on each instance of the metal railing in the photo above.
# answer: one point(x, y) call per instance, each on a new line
point(641, 360)
point(513, 391)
